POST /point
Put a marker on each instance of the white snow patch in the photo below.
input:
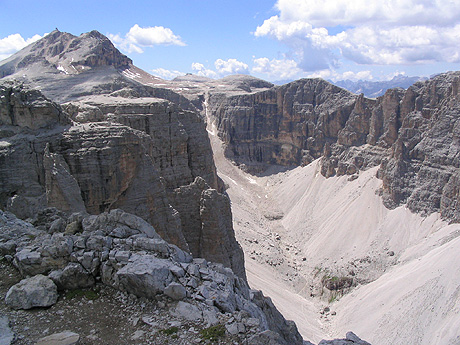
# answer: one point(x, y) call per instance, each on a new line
point(62, 69)
point(131, 75)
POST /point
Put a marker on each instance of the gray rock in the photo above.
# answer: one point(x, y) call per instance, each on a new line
point(176, 291)
point(6, 334)
point(188, 311)
point(73, 276)
point(62, 338)
point(235, 328)
point(267, 338)
point(29, 262)
point(210, 317)
point(38, 291)
point(355, 339)
point(145, 276)
point(350, 339)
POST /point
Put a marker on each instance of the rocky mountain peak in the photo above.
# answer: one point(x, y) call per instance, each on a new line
point(65, 53)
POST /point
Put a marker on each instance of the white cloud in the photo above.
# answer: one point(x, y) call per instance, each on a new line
point(12, 43)
point(222, 68)
point(376, 12)
point(335, 76)
point(138, 37)
point(321, 33)
point(231, 66)
point(276, 69)
point(166, 74)
point(203, 71)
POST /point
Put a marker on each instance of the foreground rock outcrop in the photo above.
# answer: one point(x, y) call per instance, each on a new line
point(125, 252)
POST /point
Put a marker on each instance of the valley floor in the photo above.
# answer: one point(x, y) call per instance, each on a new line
point(298, 230)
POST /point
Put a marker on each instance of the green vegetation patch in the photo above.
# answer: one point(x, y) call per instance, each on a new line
point(213, 332)
point(170, 331)
point(88, 294)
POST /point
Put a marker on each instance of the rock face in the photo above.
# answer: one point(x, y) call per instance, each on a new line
point(137, 156)
point(284, 125)
point(68, 53)
point(125, 252)
point(412, 135)
point(37, 291)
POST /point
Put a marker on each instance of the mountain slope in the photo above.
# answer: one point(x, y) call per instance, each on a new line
point(374, 89)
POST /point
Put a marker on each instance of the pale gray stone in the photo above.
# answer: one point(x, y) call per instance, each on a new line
point(175, 291)
point(145, 276)
point(37, 291)
point(73, 276)
point(62, 338)
point(6, 334)
point(188, 311)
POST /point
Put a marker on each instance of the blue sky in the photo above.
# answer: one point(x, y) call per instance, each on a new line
point(273, 40)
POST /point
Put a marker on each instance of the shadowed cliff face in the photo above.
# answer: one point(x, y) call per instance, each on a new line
point(412, 134)
point(136, 155)
point(290, 124)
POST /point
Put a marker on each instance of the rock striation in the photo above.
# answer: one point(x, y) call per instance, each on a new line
point(411, 134)
point(136, 155)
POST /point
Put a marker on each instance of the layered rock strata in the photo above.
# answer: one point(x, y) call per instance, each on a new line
point(130, 154)
point(412, 135)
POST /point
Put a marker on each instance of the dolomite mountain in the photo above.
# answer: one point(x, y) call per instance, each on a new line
point(118, 149)
point(142, 155)
point(411, 135)
point(102, 135)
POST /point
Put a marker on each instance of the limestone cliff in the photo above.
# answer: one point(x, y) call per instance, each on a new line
point(137, 156)
point(412, 135)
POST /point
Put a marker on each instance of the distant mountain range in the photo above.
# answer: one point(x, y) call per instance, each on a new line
point(375, 89)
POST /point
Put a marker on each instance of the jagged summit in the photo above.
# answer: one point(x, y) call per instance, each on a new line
point(66, 53)
point(66, 67)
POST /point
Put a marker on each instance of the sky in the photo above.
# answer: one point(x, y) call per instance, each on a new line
point(274, 40)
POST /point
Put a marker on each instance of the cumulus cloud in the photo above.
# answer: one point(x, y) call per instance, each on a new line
point(347, 75)
point(321, 33)
point(231, 66)
point(12, 43)
point(138, 38)
point(166, 74)
point(201, 70)
point(222, 68)
point(276, 69)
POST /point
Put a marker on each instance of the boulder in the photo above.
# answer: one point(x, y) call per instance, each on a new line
point(146, 276)
point(175, 291)
point(6, 334)
point(350, 339)
point(267, 338)
point(188, 311)
point(38, 291)
point(73, 276)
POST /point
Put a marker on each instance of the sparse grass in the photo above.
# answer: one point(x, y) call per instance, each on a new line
point(88, 294)
point(317, 271)
point(213, 333)
point(171, 331)
point(333, 298)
